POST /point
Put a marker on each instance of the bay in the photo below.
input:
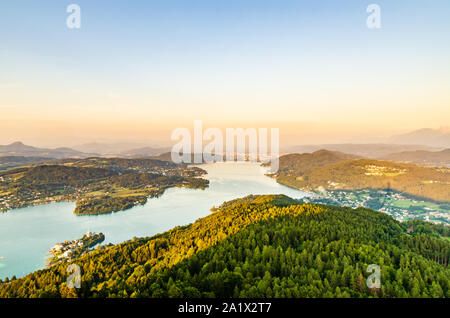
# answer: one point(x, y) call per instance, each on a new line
point(27, 234)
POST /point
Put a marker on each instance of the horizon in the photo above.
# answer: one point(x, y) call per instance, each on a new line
point(134, 145)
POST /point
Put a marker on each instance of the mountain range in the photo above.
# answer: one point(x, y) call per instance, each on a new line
point(426, 136)
point(425, 139)
point(363, 150)
point(122, 149)
point(424, 146)
point(19, 149)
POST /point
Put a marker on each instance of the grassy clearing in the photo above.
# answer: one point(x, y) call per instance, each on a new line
point(405, 204)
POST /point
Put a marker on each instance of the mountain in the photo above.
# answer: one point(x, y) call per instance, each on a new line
point(19, 149)
point(422, 157)
point(426, 136)
point(261, 246)
point(363, 150)
point(330, 171)
point(300, 164)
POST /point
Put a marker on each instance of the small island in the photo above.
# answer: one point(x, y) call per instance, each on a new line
point(69, 250)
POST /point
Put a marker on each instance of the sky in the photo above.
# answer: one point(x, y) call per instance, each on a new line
point(136, 70)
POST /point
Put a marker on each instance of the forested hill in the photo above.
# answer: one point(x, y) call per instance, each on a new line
point(263, 246)
point(302, 164)
point(98, 185)
point(335, 171)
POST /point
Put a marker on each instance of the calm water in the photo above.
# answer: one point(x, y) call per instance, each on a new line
point(27, 234)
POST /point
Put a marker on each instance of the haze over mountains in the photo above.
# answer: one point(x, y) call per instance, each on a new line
point(426, 139)
point(121, 149)
point(363, 150)
point(107, 148)
point(423, 147)
point(426, 136)
point(19, 149)
point(144, 152)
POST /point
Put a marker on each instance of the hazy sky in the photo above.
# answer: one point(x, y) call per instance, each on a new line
point(136, 70)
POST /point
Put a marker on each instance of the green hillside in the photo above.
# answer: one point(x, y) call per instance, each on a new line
point(333, 171)
point(261, 246)
point(302, 164)
point(98, 185)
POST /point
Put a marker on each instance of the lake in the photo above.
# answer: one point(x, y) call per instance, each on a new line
point(27, 234)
